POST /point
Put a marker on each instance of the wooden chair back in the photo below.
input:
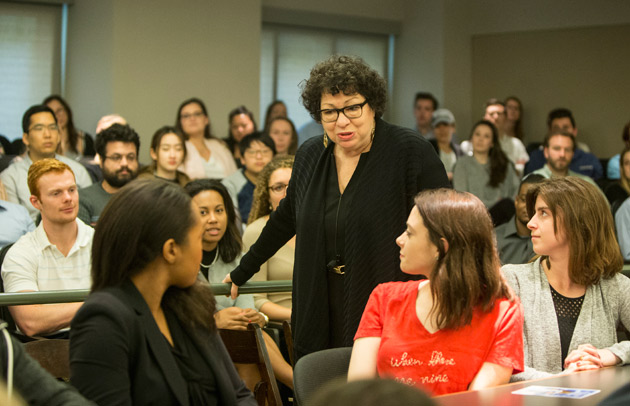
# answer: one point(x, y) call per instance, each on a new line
point(248, 347)
point(52, 354)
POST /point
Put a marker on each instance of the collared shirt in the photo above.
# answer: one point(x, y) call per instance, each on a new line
point(15, 222)
point(16, 175)
point(33, 263)
point(546, 172)
point(513, 248)
point(583, 162)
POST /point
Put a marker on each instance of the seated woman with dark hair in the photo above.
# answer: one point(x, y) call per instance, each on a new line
point(222, 249)
point(241, 122)
point(573, 295)
point(420, 332)
point(488, 173)
point(168, 151)
point(146, 335)
point(74, 143)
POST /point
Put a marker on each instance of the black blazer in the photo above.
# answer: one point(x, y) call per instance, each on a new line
point(118, 356)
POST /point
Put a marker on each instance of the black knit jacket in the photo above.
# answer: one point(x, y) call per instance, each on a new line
point(400, 164)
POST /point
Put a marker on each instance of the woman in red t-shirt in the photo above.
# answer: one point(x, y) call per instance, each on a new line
point(461, 329)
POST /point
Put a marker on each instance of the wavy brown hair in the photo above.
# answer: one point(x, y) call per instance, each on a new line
point(346, 74)
point(582, 214)
point(466, 276)
point(260, 205)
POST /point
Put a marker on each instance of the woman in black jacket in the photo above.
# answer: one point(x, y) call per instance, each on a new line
point(146, 334)
point(347, 201)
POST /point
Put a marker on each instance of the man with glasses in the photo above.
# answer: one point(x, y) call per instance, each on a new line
point(117, 147)
point(256, 152)
point(41, 137)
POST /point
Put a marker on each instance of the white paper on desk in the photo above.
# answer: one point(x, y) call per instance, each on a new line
point(555, 392)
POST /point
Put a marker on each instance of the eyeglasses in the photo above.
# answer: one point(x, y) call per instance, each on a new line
point(278, 188)
point(118, 158)
point(331, 115)
point(39, 128)
point(263, 152)
point(187, 116)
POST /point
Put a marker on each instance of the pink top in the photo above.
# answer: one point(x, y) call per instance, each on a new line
point(220, 165)
point(448, 360)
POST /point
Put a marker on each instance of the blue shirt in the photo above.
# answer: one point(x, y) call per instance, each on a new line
point(14, 222)
point(582, 162)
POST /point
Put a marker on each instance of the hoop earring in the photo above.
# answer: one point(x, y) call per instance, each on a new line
point(325, 140)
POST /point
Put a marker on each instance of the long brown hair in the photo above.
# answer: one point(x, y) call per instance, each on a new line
point(582, 214)
point(623, 179)
point(498, 160)
point(260, 205)
point(131, 232)
point(73, 133)
point(466, 275)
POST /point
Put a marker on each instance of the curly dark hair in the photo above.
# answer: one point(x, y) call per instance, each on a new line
point(347, 74)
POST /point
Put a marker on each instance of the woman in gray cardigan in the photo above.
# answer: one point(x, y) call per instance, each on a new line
point(573, 295)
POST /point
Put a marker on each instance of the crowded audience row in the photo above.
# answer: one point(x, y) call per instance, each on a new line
point(384, 255)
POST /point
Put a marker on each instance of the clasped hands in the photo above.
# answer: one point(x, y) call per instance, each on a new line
point(235, 318)
point(586, 357)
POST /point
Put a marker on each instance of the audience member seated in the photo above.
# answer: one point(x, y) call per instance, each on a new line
point(443, 130)
point(15, 222)
point(241, 122)
point(583, 161)
point(370, 392)
point(168, 151)
point(206, 156)
point(619, 190)
point(423, 107)
point(621, 206)
point(283, 133)
point(117, 147)
point(487, 174)
point(56, 256)
point(5, 146)
point(612, 169)
point(256, 152)
point(222, 250)
point(573, 295)
point(559, 149)
point(34, 384)
point(74, 143)
point(146, 335)
point(514, 117)
point(514, 238)
point(270, 190)
point(419, 332)
point(513, 147)
point(276, 109)
point(41, 136)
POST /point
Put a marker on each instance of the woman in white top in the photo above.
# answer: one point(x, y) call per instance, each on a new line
point(207, 156)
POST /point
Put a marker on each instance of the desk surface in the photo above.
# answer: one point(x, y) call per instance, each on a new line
point(607, 380)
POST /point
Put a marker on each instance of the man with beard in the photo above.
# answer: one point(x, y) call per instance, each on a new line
point(117, 147)
point(513, 238)
point(559, 147)
point(55, 256)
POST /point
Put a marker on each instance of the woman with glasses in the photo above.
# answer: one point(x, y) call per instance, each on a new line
point(207, 156)
point(348, 199)
point(271, 188)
